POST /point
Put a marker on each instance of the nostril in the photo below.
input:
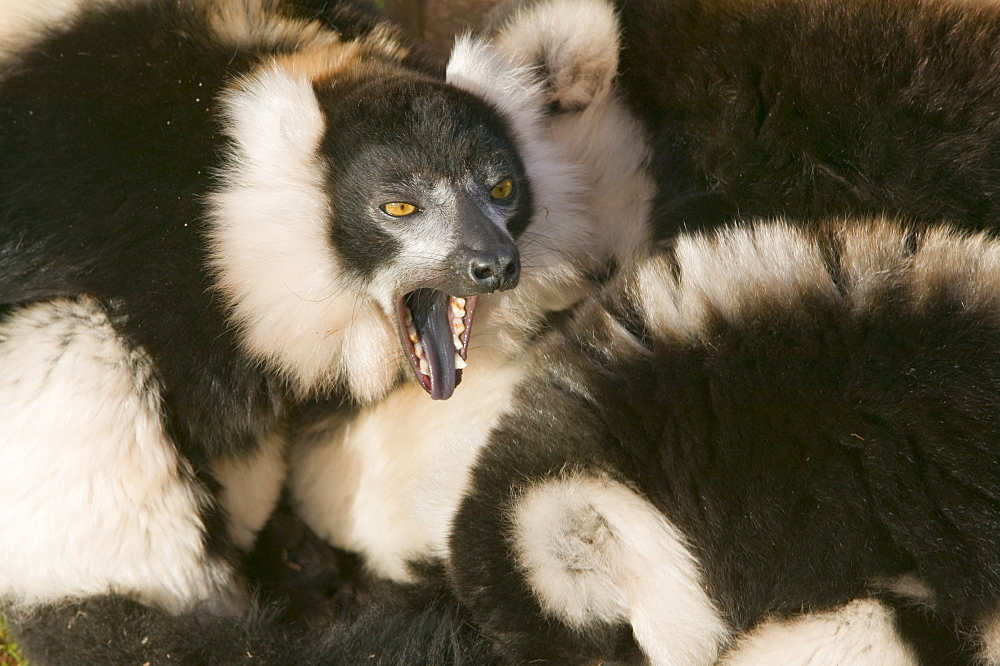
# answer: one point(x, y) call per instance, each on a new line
point(481, 271)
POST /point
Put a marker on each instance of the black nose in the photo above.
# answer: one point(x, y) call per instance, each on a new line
point(496, 272)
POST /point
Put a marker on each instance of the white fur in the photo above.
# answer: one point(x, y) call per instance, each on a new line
point(594, 551)
point(989, 637)
point(612, 146)
point(861, 633)
point(733, 272)
point(98, 500)
point(574, 42)
point(389, 482)
point(251, 487)
point(730, 273)
point(272, 256)
point(23, 21)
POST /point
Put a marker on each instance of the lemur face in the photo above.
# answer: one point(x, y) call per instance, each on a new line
point(431, 195)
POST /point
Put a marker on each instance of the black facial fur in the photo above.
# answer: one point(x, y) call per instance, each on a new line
point(407, 137)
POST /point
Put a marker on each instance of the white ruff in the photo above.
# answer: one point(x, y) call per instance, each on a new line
point(98, 501)
point(271, 249)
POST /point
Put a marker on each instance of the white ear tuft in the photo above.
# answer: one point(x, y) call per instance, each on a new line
point(573, 44)
point(273, 113)
point(513, 88)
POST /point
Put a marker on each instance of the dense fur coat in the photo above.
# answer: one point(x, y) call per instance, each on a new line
point(760, 422)
point(209, 209)
point(738, 129)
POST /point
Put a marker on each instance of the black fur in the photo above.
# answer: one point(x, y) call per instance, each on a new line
point(817, 108)
point(101, 184)
point(420, 625)
point(804, 449)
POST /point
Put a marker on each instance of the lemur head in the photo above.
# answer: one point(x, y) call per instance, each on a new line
point(363, 203)
point(430, 196)
point(364, 206)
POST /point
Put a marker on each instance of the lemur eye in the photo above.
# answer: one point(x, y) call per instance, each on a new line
point(399, 208)
point(502, 189)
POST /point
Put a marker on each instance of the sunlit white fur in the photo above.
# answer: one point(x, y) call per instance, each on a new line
point(575, 44)
point(251, 487)
point(388, 482)
point(97, 500)
point(22, 21)
point(734, 272)
point(728, 273)
point(989, 637)
point(271, 252)
point(594, 551)
point(862, 633)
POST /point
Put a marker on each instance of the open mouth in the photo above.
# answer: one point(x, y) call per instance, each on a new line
point(435, 328)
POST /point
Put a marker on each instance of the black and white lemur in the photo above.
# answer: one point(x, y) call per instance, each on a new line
point(209, 210)
point(687, 460)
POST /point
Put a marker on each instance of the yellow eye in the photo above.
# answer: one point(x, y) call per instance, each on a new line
point(502, 189)
point(399, 209)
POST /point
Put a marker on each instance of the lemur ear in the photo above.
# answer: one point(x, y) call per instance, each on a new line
point(572, 45)
point(274, 113)
point(477, 66)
